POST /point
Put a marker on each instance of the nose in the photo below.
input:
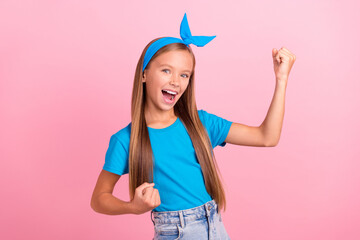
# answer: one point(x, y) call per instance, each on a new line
point(174, 80)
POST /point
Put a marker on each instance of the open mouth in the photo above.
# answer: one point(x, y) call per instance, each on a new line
point(169, 96)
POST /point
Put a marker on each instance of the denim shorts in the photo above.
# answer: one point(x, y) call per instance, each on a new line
point(202, 222)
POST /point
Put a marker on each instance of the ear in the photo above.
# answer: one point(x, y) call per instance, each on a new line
point(144, 76)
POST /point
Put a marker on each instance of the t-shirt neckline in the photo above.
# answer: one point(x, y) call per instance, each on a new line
point(166, 128)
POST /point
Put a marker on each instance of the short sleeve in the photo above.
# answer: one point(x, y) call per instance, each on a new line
point(116, 158)
point(217, 127)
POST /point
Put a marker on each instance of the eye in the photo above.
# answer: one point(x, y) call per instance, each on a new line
point(186, 75)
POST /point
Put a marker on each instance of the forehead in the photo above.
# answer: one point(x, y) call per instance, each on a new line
point(180, 59)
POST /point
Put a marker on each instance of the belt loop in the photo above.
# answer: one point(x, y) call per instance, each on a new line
point(216, 206)
point(151, 216)
point(181, 216)
point(206, 206)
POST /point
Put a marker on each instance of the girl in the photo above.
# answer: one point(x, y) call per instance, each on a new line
point(167, 149)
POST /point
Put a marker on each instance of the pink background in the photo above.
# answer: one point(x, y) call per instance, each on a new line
point(66, 73)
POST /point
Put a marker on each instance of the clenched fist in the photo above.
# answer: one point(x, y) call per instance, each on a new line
point(145, 198)
point(283, 61)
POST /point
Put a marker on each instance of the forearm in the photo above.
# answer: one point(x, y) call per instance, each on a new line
point(271, 126)
point(108, 204)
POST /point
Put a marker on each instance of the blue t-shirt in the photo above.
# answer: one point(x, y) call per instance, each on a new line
point(177, 172)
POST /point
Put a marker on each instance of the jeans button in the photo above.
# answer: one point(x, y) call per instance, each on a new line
point(209, 207)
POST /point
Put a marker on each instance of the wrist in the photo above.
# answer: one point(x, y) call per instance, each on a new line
point(132, 208)
point(281, 82)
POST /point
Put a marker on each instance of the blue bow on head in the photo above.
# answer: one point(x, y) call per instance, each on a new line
point(186, 38)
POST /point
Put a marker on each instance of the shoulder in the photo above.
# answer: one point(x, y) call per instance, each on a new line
point(202, 114)
point(206, 117)
point(123, 135)
point(117, 154)
point(124, 131)
point(216, 126)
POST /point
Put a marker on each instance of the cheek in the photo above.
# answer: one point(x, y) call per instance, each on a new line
point(160, 82)
point(151, 89)
point(184, 86)
point(156, 83)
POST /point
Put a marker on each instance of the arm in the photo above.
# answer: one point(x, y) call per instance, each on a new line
point(102, 200)
point(283, 61)
point(272, 125)
point(268, 133)
point(145, 198)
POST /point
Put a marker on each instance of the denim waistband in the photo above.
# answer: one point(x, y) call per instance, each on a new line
point(187, 215)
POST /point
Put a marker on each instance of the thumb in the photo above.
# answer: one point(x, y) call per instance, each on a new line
point(274, 52)
point(276, 58)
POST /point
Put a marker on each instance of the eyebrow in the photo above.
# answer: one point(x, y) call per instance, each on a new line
point(172, 67)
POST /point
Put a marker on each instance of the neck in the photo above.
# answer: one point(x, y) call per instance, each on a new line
point(156, 117)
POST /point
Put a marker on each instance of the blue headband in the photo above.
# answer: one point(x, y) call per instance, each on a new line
point(186, 36)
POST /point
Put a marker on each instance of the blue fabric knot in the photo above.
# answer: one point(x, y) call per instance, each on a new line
point(187, 41)
point(186, 38)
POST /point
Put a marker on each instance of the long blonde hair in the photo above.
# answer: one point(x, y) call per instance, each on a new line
point(140, 153)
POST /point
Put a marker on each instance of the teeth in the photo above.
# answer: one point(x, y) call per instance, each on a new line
point(174, 93)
